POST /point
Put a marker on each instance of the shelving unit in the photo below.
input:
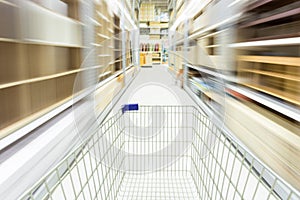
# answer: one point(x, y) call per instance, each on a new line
point(242, 67)
point(24, 73)
point(154, 35)
point(268, 58)
point(153, 30)
point(42, 49)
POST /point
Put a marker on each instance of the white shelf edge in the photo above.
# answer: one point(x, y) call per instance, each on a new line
point(103, 36)
point(213, 46)
point(97, 45)
point(95, 22)
point(269, 102)
point(275, 42)
point(102, 16)
point(216, 74)
point(110, 30)
point(43, 78)
point(43, 42)
point(212, 34)
point(9, 3)
point(10, 40)
point(40, 42)
point(104, 55)
point(104, 74)
point(32, 80)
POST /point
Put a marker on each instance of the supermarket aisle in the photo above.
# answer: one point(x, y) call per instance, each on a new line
point(155, 86)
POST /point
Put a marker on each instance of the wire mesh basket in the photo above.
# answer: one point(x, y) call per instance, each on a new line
point(160, 152)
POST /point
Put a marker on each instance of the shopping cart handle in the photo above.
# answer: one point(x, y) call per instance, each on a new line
point(128, 107)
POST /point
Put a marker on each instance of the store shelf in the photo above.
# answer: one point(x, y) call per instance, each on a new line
point(29, 123)
point(48, 43)
point(97, 45)
point(273, 74)
point(257, 4)
point(10, 40)
point(104, 55)
point(261, 43)
point(103, 16)
point(115, 61)
point(95, 22)
point(287, 11)
point(43, 78)
point(292, 98)
point(291, 61)
point(204, 89)
point(104, 74)
point(40, 42)
point(110, 30)
point(266, 100)
point(280, 36)
point(213, 46)
point(8, 3)
point(103, 36)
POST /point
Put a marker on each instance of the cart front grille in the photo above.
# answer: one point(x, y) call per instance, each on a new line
point(160, 152)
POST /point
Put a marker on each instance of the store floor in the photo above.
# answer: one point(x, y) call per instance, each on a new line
point(155, 86)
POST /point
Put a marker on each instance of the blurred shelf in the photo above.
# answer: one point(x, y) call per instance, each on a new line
point(8, 3)
point(273, 74)
point(286, 11)
point(28, 123)
point(204, 89)
point(12, 84)
point(103, 36)
point(291, 61)
point(10, 40)
point(213, 46)
point(281, 107)
point(97, 45)
point(103, 16)
point(150, 51)
point(207, 71)
point(114, 37)
point(212, 34)
point(104, 74)
point(115, 61)
point(40, 42)
point(158, 34)
point(110, 30)
point(116, 27)
point(295, 99)
point(275, 42)
point(104, 55)
point(280, 36)
point(43, 42)
point(257, 4)
point(43, 78)
point(95, 22)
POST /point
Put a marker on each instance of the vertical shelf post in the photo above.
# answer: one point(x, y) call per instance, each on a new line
point(123, 40)
point(185, 48)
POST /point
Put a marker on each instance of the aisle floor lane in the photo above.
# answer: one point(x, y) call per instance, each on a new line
point(155, 86)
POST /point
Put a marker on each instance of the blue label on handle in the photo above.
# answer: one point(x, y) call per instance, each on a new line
point(128, 107)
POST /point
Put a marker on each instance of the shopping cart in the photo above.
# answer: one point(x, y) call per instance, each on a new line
point(160, 152)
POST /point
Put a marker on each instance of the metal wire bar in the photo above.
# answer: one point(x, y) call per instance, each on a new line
point(160, 152)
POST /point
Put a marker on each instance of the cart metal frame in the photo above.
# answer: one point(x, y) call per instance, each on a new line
point(161, 152)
